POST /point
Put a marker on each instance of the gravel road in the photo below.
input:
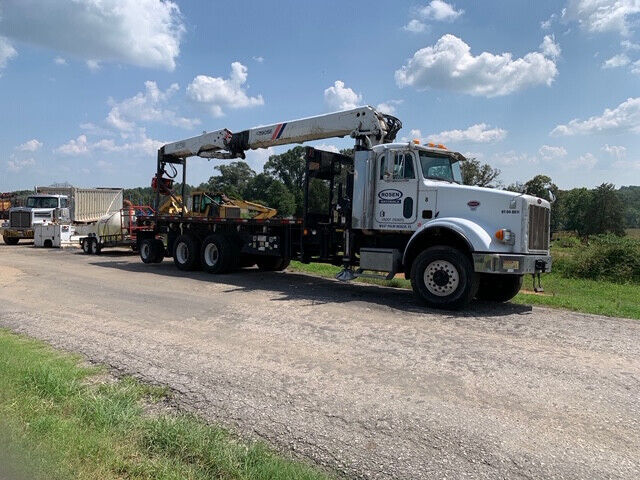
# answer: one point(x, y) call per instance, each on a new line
point(355, 377)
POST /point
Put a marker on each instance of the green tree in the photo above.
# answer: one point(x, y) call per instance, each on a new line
point(606, 211)
point(288, 167)
point(480, 174)
point(233, 179)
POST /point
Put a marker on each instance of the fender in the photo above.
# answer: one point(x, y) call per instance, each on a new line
point(476, 237)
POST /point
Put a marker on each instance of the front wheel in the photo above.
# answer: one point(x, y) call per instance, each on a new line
point(443, 277)
point(499, 287)
point(10, 240)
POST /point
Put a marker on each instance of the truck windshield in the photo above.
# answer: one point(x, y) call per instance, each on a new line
point(42, 202)
point(437, 167)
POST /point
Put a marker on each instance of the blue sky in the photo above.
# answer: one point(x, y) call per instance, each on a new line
point(89, 90)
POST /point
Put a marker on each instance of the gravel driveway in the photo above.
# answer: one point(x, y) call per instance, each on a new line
point(355, 377)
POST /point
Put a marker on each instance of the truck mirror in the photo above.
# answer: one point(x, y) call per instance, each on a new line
point(552, 197)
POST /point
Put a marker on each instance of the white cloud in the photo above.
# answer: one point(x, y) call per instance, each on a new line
point(449, 65)
point(583, 162)
point(93, 65)
point(78, 146)
point(258, 59)
point(546, 24)
point(138, 145)
point(636, 67)
point(615, 151)
point(59, 61)
point(549, 152)
point(219, 93)
point(549, 47)
point(145, 33)
point(478, 133)
point(628, 45)
point(599, 16)
point(388, 107)
point(16, 164)
point(624, 118)
point(619, 60)
point(415, 26)
point(30, 146)
point(440, 11)
point(147, 106)
point(7, 52)
point(339, 97)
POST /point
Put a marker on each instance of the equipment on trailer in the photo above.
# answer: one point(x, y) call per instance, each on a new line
point(118, 229)
point(390, 208)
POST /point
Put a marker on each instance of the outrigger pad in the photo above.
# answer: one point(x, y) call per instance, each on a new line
point(346, 275)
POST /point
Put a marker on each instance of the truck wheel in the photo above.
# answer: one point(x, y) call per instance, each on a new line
point(86, 246)
point(217, 254)
point(186, 254)
point(498, 288)
point(159, 250)
point(147, 250)
point(443, 277)
point(95, 247)
point(272, 264)
point(10, 240)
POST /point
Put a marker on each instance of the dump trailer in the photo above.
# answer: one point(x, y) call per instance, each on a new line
point(63, 205)
point(392, 207)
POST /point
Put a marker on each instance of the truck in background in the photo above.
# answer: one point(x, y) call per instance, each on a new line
point(5, 205)
point(61, 205)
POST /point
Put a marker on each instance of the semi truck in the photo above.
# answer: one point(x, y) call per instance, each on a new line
point(392, 207)
point(60, 204)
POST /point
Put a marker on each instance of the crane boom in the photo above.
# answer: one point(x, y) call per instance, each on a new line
point(366, 125)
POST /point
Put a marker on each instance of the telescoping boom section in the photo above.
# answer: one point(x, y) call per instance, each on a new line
point(366, 125)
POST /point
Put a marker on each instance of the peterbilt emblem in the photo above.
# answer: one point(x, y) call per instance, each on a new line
point(389, 195)
point(473, 204)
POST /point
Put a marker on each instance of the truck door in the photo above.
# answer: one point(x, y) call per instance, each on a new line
point(396, 190)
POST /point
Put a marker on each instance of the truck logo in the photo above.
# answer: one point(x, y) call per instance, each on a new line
point(389, 195)
point(473, 204)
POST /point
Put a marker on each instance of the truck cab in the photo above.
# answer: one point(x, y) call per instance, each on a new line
point(38, 209)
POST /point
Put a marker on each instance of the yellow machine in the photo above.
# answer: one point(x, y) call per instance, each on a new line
point(217, 205)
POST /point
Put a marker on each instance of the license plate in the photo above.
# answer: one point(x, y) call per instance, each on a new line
point(510, 264)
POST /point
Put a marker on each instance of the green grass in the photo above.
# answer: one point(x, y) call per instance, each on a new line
point(59, 421)
point(589, 296)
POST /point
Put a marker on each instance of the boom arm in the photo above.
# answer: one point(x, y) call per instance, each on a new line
point(366, 125)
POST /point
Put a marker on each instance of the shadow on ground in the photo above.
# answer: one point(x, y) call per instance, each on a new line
point(318, 290)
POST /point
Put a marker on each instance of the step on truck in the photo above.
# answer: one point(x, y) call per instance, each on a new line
point(392, 207)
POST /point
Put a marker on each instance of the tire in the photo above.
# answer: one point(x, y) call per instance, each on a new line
point(159, 250)
point(86, 246)
point(10, 240)
point(443, 277)
point(217, 255)
point(186, 252)
point(498, 288)
point(272, 264)
point(95, 247)
point(147, 250)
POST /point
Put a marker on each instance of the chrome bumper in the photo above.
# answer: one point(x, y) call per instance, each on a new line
point(512, 264)
point(16, 232)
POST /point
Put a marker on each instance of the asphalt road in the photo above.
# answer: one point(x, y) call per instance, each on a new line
point(355, 377)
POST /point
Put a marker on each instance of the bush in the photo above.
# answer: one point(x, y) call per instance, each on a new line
point(567, 241)
point(608, 257)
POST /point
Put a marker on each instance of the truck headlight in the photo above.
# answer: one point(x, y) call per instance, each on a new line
point(505, 235)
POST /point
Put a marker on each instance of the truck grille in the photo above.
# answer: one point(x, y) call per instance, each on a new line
point(538, 228)
point(20, 219)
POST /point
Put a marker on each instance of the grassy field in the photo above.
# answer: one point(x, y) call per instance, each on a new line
point(589, 296)
point(62, 420)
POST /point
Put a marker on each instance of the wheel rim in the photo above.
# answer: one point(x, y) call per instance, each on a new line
point(441, 278)
point(211, 254)
point(182, 253)
point(85, 246)
point(145, 251)
point(94, 246)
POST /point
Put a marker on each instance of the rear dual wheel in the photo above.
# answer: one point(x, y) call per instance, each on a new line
point(90, 246)
point(218, 254)
point(186, 252)
point(152, 250)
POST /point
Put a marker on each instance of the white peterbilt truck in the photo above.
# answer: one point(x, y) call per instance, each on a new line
point(394, 207)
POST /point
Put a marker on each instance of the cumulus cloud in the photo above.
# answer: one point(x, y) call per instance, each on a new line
point(549, 152)
point(616, 151)
point(599, 16)
point(623, 118)
point(628, 45)
point(339, 97)
point(389, 106)
point(7, 52)
point(478, 133)
point(136, 145)
point(415, 26)
point(219, 93)
point(145, 33)
point(616, 61)
point(450, 65)
point(59, 61)
point(30, 146)
point(583, 162)
point(440, 11)
point(16, 164)
point(76, 146)
point(636, 67)
point(147, 106)
point(549, 47)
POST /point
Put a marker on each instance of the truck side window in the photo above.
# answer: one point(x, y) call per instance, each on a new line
point(383, 166)
point(63, 203)
point(403, 167)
